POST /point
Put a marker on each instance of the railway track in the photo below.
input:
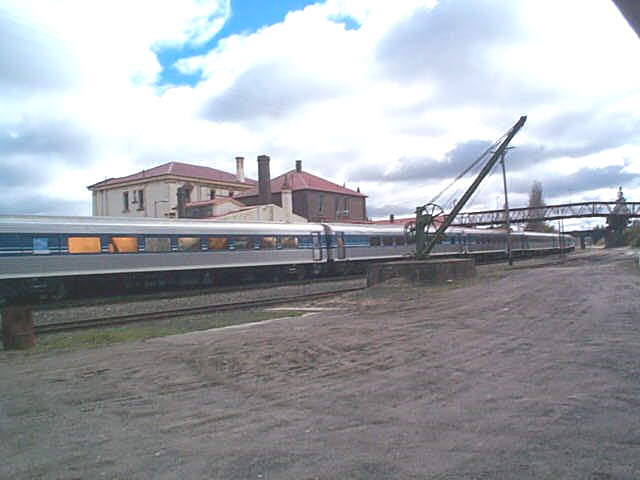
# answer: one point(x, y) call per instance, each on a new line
point(118, 320)
point(184, 292)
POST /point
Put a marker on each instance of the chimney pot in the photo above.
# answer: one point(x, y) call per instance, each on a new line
point(298, 166)
point(240, 169)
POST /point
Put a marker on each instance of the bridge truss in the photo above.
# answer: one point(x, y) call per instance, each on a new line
point(547, 213)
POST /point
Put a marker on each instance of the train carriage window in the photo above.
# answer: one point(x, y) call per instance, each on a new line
point(268, 242)
point(374, 241)
point(243, 243)
point(83, 244)
point(41, 245)
point(387, 241)
point(123, 245)
point(188, 244)
point(157, 244)
point(400, 240)
point(289, 242)
point(218, 243)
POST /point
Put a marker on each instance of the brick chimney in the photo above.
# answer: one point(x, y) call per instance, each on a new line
point(298, 166)
point(264, 180)
point(240, 169)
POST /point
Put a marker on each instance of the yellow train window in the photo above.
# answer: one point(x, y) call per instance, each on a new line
point(123, 245)
point(289, 242)
point(268, 242)
point(83, 244)
point(218, 243)
point(189, 244)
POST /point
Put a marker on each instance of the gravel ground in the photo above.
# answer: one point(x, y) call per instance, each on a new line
point(524, 373)
point(44, 317)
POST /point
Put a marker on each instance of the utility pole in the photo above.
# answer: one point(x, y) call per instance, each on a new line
point(506, 206)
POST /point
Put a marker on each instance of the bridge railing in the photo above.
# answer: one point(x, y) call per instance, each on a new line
point(549, 212)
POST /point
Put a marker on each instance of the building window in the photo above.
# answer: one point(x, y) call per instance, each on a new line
point(125, 201)
point(346, 206)
point(140, 199)
point(212, 194)
point(320, 202)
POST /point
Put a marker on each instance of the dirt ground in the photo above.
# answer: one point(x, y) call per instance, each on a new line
point(522, 373)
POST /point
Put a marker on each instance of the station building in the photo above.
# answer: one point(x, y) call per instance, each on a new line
point(181, 190)
point(153, 192)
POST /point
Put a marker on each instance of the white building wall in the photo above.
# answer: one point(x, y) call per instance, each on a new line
point(160, 199)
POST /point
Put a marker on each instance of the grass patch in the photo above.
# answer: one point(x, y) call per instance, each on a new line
point(100, 337)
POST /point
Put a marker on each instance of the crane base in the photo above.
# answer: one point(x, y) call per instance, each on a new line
point(422, 271)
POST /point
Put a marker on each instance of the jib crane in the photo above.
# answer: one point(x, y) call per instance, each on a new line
point(427, 214)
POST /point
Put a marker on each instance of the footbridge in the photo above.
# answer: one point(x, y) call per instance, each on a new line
point(548, 213)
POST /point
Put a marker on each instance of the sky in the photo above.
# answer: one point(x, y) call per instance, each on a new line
point(396, 98)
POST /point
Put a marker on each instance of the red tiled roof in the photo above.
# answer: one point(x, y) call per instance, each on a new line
point(178, 169)
point(302, 181)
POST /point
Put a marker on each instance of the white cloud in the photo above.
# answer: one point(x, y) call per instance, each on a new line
point(414, 81)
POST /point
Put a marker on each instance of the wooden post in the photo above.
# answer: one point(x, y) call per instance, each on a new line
point(17, 328)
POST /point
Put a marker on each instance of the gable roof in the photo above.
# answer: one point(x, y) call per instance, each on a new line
point(302, 181)
point(179, 169)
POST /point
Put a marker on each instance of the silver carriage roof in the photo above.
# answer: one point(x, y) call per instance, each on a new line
point(106, 225)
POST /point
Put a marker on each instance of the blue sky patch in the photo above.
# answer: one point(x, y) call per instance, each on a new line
point(247, 16)
point(349, 23)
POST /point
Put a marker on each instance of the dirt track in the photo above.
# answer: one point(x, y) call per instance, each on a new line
point(527, 373)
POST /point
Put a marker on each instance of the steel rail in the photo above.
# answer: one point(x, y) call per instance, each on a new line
point(178, 312)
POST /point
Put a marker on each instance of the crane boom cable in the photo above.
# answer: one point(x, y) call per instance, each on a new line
point(470, 167)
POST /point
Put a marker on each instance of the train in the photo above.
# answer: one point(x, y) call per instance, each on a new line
point(46, 257)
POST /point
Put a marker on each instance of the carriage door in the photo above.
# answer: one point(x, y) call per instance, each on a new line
point(340, 245)
point(316, 246)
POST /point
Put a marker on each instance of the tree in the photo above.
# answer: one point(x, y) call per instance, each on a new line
point(536, 209)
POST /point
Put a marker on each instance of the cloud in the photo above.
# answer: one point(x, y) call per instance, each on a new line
point(398, 210)
point(584, 180)
point(31, 59)
point(458, 47)
point(397, 106)
point(45, 137)
point(27, 204)
point(582, 132)
point(421, 169)
point(267, 91)
point(21, 173)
